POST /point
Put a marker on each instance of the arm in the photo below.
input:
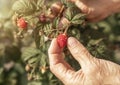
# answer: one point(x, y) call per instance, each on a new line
point(97, 9)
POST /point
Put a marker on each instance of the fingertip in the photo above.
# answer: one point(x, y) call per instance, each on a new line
point(72, 42)
point(54, 48)
point(81, 5)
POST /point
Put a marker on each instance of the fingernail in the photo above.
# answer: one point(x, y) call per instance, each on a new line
point(72, 42)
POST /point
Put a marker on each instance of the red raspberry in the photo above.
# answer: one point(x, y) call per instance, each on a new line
point(22, 23)
point(62, 40)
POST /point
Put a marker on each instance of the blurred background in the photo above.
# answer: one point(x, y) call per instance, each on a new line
point(12, 67)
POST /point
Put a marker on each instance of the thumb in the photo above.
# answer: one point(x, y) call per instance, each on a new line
point(58, 65)
point(79, 52)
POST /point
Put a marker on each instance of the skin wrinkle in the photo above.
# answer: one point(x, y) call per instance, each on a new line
point(58, 71)
point(106, 74)
point(99, 73)
point(102, 71)
point(58, 64)
point(69, 75)
point(109, 68)
point(117, 78)
point(88, 55)
point(56, 60)
point(93, 65)
point(81, 77)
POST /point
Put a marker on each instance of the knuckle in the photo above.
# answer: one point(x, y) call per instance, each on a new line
point(85, 9)
point(81, 51)
point(76, 50)
point(84, 52)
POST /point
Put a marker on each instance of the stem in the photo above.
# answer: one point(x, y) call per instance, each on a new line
point(61, 10)
point(65, 32)
point(33, 70)
point(32, 18)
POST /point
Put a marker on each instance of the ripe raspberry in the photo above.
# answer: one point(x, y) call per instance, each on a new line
point(62, 40)
point(22, 23)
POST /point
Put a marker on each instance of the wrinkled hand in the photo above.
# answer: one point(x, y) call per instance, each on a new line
point(97, 9)
point(93, 71)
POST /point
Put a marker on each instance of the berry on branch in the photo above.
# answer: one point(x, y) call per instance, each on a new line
point(42, 18)
point(22, 23)
point(62, 40)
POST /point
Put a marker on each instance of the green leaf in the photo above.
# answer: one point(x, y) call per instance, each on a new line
point(43, 58)
point(78, 17)
point(36, 37)
point(33, 21)
point(71, 12)
point(56, 22)
point(68, 14)
point(47, 29)
point(75, 32)
point(41, 3)
point(77, 22)
point(67, 4)
point(25, 7)
point(50, 75)
point(28, 53)
point(1, 70)
point(33, 60)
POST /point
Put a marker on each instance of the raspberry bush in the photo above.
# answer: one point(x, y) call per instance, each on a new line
point(27, 28)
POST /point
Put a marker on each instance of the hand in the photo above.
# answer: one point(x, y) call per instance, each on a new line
point(97, 9)
point(93, 71)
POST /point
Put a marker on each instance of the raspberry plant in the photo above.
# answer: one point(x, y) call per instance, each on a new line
point(24, 58)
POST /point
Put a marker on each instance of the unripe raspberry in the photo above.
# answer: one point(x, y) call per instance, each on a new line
point(62, 40)
point(64, 22)
point(22, 23)
point(29, 77)
point(42, 18)
point(27, 68)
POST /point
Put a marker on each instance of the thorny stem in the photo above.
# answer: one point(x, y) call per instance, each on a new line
point(33, 70)
point(67, 28)
point(61, 10)
point(20, 34)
